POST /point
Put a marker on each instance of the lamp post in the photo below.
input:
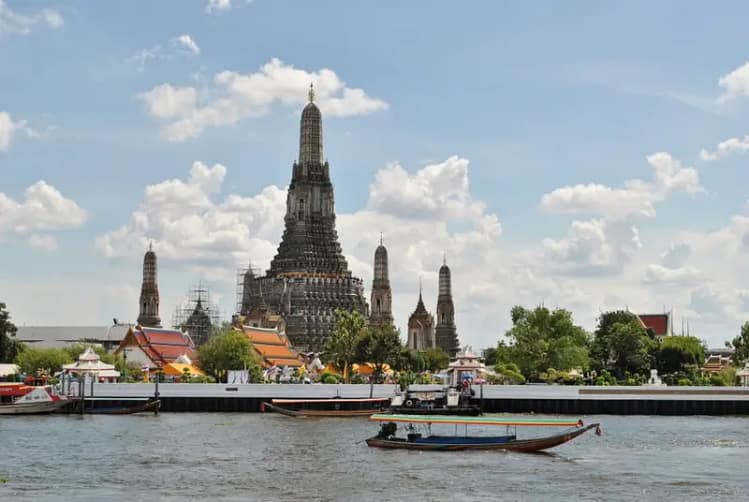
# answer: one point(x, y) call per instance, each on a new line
point(124, 364)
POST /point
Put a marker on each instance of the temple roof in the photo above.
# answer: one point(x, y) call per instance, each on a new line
point(162, 346)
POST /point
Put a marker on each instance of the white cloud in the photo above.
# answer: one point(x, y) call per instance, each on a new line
point(604, 244)
point(43, 208)
point(217, 6)
point(735, 84)
point(180, 45)
point(725, 148)
point(676, 255)
point(9, 128)
point(664, 275)
point(43, 242)
point(636, 199)
point(165, 101)
point(187, 224)
point(13, 22)
point(237, 96)
point(593, 247)
point(186, 42)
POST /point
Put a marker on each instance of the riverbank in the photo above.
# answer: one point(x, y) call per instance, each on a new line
point(555, 399)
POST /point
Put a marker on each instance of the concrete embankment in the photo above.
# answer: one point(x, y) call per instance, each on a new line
point(555, 399)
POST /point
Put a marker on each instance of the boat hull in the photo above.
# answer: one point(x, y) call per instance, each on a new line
point(149, 406)
point(523, 445)
point(464, 411)
point(319, 413)
point(39, 408)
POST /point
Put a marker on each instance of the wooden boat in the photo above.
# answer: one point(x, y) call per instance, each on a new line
point(427, 441)
point(142, 407)
point(22, 399)
point(440, 401)
point(335, 407)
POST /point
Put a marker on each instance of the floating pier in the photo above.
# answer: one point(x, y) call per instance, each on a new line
point(551, 399)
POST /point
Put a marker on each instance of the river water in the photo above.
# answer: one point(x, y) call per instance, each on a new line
point(220, 456)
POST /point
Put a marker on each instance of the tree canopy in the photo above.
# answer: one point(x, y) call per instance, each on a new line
point(228, 350)
point(9, 346)
point(378, 345)
point(341, 347)
point(622, 345)
point(740, 346)
point(541, 339)
point(435, 359)
point(679, 354)
point(33, 359)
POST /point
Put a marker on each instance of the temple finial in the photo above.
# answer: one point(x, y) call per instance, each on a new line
point(150, 245)
point(311, 93)
point(444, 258)
point(419, 287)
point(380, 238)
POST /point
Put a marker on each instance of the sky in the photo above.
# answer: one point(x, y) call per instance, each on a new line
point(576, 155)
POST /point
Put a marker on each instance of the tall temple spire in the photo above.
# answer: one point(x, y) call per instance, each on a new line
point(382, 298)
point(149, 291)
point(421, 327)
point(310, 133)
point(445, 333)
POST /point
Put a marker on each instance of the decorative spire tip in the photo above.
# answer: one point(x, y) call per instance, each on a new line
point(311, 93)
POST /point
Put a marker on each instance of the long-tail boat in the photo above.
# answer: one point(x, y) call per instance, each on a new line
point(335, 407)
point(425, 440)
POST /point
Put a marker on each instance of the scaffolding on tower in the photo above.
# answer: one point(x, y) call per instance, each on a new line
point(197, 315)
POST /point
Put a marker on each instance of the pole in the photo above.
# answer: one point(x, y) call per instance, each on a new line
point(81, 390)
point(156, 392)
point(481, 398)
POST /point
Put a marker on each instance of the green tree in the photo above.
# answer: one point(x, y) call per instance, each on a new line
point(75, 350)
point(490, 356)
point(436, 359)
point(541, 339)
point(341, 345)
point(622, 345)
point(228, 350)
point(740, 346)
point(679, 353)
point(379, 345)
point(509, 373)
point(9, 346)
point(34, 359)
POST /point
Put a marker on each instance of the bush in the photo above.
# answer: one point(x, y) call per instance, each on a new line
point(684, 382)
point(329, 378)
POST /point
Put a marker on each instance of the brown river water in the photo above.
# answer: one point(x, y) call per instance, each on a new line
point(221, 456)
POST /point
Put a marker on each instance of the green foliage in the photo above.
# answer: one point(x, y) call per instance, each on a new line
point(32, 360)
point(75, 350)
point(622, 345)
point(509, 374)
point(410, 360)
point(341, 346)
point(679, 353)
point(726, 377)
point(490, 356)
point(378, 345)
point(561, 377)
point(228, 350)
point(329, 378)
point(540, 339)
point(684, 382)
point(740, 346)
point(9, 346)
point(435, 359)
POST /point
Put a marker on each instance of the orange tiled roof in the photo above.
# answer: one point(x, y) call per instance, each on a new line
point(272, 348)
point(162, 346)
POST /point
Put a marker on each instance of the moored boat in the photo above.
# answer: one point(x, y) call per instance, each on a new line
point(21, 399)
point(335, 407)
point(425, 440)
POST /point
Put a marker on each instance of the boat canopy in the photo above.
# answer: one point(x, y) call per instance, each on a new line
point(522, 421)
point(333, 400)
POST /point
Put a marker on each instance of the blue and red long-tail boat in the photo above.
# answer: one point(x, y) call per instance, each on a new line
point(419, 434)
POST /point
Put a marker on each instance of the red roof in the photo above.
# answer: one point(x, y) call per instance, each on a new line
point(657, 322)
point(162, 346)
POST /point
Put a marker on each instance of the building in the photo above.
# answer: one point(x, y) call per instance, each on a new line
point(272, 348)
point(308, 278)
point(381, 304)
point(149, 291)
point(197, 316)
point(717, 359)
point(57, 337)
point(156, 347)
point(660, 325)
point(446, 335)
point(421, 327)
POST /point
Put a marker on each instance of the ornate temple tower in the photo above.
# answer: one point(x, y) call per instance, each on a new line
point(149, 292)
point(445, 333)
point(382, 299)
point(421, 327)
point(308, 278)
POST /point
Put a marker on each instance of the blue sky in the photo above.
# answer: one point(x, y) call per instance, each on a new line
point(506, 135)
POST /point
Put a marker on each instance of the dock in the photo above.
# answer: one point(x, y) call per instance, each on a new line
point(548, 399)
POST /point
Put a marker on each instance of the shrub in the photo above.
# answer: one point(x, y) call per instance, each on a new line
point(684, 382)
point(329, 378)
